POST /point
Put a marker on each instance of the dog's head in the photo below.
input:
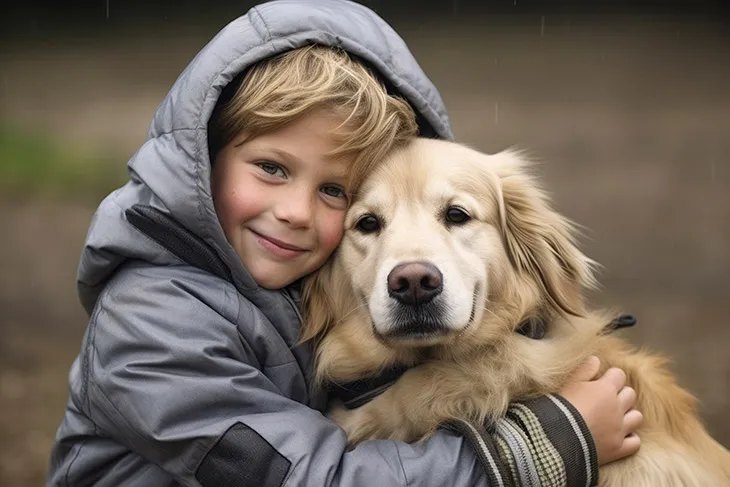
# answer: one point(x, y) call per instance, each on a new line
point(440, 239)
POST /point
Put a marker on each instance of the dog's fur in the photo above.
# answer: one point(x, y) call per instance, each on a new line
point(513, 259)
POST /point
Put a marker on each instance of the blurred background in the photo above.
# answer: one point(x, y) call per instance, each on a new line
point(625, 105)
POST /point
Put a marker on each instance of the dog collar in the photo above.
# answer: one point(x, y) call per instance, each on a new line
point(622, 321)
point(359, 392)
point(356, 393)
point(536, 328)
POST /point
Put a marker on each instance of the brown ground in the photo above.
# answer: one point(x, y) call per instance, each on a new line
point(631, 121)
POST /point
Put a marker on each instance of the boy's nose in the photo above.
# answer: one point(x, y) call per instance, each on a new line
point(295, 210)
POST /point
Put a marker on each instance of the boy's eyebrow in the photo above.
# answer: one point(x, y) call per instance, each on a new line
point(336, 172)
point(284, 154)
point(340, 176)
point(274, 150)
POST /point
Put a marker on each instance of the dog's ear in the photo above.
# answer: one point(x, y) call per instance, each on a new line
point(326, 298)
point(539, 241)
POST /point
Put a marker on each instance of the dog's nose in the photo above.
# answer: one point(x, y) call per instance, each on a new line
point(415, 283)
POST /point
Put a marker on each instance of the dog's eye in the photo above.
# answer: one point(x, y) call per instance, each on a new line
point(368, 224)
point(456, 215)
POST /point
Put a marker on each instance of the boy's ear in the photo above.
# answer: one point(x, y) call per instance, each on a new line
point(542, 243)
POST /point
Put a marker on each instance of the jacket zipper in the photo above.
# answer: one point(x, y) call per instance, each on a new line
point(521, 457)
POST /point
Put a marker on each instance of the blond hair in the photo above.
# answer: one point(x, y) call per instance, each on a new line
point(277, 91)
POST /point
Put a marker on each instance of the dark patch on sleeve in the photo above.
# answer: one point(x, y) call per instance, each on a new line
point(242, 458)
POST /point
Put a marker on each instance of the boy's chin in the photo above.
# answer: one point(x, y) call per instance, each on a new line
point(272, 281)
point(275, 276)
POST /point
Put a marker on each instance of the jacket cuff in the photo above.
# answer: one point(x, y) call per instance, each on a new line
point(485, 446)
point(555, 419)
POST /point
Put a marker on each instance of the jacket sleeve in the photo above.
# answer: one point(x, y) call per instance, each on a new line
point(168, 375)
point(541, 442)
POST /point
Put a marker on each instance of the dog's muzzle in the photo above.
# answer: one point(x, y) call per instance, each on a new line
point(416, 311)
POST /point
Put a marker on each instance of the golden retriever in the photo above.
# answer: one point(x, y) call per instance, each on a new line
point(446, 252)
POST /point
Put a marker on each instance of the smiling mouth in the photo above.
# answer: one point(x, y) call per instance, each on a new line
point(277, 247)
point(279, 243)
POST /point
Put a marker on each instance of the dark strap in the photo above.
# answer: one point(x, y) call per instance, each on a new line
point(356, 393)
point(623, 321)
point(536, 328)
point(177, 239)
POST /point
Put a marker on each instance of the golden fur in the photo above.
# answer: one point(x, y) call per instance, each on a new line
point(517, 258)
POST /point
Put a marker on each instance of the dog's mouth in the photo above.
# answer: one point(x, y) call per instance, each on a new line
point(426, 323)
point(417, 322)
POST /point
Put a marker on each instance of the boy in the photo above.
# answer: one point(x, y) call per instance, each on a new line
point(189, 373)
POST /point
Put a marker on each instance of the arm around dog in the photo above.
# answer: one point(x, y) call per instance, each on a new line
point(170, 376)
point(540, 442)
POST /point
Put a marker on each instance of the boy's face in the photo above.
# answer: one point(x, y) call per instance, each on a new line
point(281, 200)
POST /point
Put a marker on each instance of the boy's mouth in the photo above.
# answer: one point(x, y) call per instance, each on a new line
point(278, 247)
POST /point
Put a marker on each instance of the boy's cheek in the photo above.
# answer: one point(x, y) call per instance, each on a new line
point(333, 236)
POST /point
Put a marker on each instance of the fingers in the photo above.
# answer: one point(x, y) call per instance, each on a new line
point(626, 398)
point(587, 371)
point(615, 377)
point(631, 445)
point(632, 421)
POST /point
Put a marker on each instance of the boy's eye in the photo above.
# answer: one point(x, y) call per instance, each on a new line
point(333, 191)
point(271, 168)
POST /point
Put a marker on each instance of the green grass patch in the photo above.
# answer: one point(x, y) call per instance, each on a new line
point(37, 165)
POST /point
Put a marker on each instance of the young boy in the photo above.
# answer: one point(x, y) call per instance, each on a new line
point(189, 373)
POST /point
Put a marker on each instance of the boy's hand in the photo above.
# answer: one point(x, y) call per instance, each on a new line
point(606, 404)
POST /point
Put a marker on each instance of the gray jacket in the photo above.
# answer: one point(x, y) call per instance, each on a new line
point(188, 372)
